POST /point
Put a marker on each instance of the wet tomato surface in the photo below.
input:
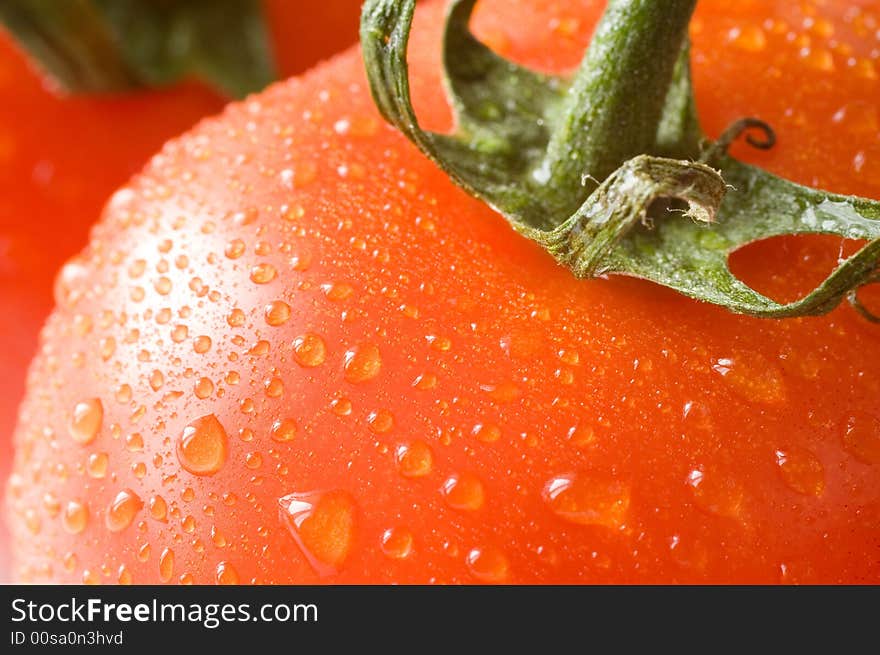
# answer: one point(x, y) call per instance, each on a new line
point(294, 352)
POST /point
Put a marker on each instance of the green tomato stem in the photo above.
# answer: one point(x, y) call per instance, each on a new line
point(617, 98)
point(609, 171)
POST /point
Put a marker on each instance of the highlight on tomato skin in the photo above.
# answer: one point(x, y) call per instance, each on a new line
point(61, 157)
point(294, 352)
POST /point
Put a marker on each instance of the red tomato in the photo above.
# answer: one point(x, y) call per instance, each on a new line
point(295, 352)
point(62, 157)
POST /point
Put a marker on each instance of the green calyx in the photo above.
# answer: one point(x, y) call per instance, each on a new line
point(99, 46)
point(599, 168)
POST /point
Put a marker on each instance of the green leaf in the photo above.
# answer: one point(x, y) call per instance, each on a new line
point(96, 46)
point(580, 166)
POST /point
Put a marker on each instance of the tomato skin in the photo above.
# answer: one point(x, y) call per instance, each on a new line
point(440, 402)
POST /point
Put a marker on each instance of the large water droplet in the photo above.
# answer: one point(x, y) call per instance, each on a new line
point(323, 526)
point(75, 517)
point(263, 273)
point(414, 460)
point(122, 510)
point(362, 363)
point(397, 543)
point(201, 448)
point(381, 421)
point(588, 499)
point(488, 564)
point(202, 344)
point(464, 491)
point(486, 432)
point(96, 465)
point(277, 313)
point(166, 565)
point(85, 422)
point(309, 350)
point(226, 574)
point(284, 430)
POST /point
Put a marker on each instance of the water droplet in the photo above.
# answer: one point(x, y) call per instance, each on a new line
point(203, 388)
point(179, 333)
point(753, 377)
point(123, 393)
point(107, 348)
point(300, 176)
point(425, 381)
point(134, 442)
point(581, 435)
point(750, 38)
point(588, 499)
point(486, 432)
point(464, 492)
point(414, 460)
point(263, 273)
point(157, 380)
point(75, 517)
point(226, 574)
point(96, 465)
point(234, 249)
point(123, 576)
point(86, 420)
point(202, 344)
point(274, 387)
point(716, 493)
point(337, 291)
point(158, 508)
point(284, 430)
point(503, 392)
point(162, 286)
point(122, 510)
point(236, 318)
point(362, 363)
point(166, 565)
point(397, 543)
point(32, 521)
point(309, 350)
point(801, 470)
point(260, 348)
point(292, 214)
point(440, 343)
point(862, 438)
point(277, 313)
point(69, 562)
point(253, 460)
point(201, 448)
point(340, 406)
point(381, 421)
point(69, 282)
point(300, 261)
point(489, 565)
point(217, 537)
point(51, 504)
point(322, 525)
